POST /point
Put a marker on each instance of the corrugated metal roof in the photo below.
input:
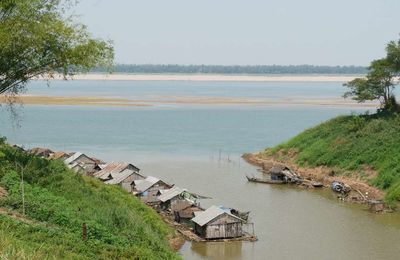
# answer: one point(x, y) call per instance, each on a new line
point(112, 168)
point(58, 155)
point(171, 193)
point(143, 185)
point(189, 212)
point(72, 158)
point(202, 218)
point(102, 166)
point(109, 169)
point(118, 177)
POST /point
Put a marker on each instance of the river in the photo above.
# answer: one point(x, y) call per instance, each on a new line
point(181, 144)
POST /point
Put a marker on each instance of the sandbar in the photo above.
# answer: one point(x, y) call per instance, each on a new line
point(212, 77)
point(184, 100)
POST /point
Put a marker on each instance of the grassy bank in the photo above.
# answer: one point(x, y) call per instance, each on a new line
point(58, 202)
point(354, 146)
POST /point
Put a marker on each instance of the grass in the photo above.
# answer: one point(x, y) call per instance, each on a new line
point(58, 201)
point(350, 143)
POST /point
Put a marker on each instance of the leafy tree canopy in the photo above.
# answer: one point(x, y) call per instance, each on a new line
point(380, 81)
point(37, 38)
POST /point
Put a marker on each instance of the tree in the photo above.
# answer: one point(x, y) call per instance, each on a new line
point(38, 39)
point(393, 55)
point(379, 83)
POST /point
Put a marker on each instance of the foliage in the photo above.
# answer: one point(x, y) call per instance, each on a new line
point(59, 201)
point(352, 142)
point(393, 194)
point(234, 69)
point(380, 80)
point(393, 54)
point(37, 39)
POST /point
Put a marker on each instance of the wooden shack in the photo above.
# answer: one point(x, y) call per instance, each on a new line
point(215, 223)
point(283, 173)
point(149, 189)
point(122, 174)
point(170, 197)
point(81, 163)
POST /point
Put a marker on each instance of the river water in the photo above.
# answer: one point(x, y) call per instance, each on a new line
point(182, 143)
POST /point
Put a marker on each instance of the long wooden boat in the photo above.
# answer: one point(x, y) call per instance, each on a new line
point(259, 180)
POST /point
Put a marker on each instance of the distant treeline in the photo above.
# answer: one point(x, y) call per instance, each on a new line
point(220, 69)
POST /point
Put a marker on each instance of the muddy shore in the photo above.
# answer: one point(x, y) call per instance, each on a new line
point(361, 192)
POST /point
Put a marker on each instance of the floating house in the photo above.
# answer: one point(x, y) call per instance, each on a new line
point(176, 199)
point(216, 223)
point(149, 189)
point(170, 195)
point(81, 163)
point(119, 173)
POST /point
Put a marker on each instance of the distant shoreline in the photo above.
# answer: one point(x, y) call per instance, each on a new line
point(184, 100)
point(213, 77)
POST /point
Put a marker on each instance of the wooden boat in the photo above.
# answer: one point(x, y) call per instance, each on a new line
point(266, 181)
point(317, 184)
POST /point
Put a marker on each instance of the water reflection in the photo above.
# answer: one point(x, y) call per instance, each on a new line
point(218, 250)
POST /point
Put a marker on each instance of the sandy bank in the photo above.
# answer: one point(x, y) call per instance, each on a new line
point(213, 77)
point(74, 101)
point(324, 175)
point(184, 100)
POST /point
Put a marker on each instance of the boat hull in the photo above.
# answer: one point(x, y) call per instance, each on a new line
point(253, 179)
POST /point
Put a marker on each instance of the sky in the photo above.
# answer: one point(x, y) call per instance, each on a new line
point(244, 32)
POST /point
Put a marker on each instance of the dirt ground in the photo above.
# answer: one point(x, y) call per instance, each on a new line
point(3, 192)
point(361, 191)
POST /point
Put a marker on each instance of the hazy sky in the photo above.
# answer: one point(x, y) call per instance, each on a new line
point(320, 32)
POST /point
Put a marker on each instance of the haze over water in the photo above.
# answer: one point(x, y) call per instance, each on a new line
point(181, 142)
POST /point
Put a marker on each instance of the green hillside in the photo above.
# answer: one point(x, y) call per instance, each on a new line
point(349, 143)
point(58, 202)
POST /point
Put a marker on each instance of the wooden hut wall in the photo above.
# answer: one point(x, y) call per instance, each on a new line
point(224, 226)
point(179, 204)
point(151, 194)
point(126, 186)
point(133, 177)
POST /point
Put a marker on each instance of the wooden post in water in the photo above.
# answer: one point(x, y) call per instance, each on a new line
point(84, 232)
